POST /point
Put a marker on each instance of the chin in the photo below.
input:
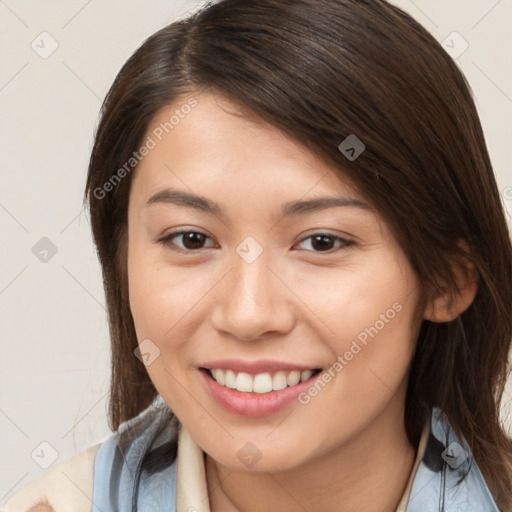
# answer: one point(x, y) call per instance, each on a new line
point(253, 460)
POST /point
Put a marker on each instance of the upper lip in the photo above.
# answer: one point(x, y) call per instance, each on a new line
point(255, 367)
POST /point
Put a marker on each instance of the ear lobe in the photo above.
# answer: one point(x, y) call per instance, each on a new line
point(448, 306)
point(445, 309)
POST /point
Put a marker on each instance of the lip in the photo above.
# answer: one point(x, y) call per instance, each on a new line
point(254, 405)
point(255, 367)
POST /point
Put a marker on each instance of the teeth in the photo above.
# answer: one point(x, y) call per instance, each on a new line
point(244, 382)
point(305, 375)
point(229, 379)
point(293, 378)
point(260, 383)
point(218, 375)
point(279, 381)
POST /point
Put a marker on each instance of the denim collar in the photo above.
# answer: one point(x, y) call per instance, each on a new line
point(447, 478)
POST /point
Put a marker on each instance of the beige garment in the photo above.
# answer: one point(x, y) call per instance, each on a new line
point(402, 506)
point(191, 489)
point(64, 487)
point(68, 485)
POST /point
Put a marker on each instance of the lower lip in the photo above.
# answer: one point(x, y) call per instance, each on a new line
point(254, 405)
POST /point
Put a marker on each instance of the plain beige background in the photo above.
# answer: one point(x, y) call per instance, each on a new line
point(54, 365)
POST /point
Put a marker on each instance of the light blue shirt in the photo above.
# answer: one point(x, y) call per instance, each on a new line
point(447, 479)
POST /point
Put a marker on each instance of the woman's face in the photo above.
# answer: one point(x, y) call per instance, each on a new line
point(285, 270)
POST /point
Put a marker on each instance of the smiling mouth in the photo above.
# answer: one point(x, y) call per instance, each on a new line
point(262, 382)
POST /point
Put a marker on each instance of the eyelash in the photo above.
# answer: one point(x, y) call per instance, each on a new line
point(166, 241)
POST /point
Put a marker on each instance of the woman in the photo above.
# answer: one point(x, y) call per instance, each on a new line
point(307, 269)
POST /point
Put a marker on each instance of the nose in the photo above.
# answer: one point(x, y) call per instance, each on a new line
point(252, 301)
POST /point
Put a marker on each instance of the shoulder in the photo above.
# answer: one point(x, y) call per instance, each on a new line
point(67, 485)
point(448, 478)
point(138, 462)
point(111, 471)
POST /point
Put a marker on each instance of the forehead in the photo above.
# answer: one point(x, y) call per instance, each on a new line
point(217, 146)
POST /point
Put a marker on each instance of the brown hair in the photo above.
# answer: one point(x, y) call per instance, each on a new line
point(320, 70)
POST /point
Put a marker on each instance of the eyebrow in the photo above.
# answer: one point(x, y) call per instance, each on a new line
point(292, 208)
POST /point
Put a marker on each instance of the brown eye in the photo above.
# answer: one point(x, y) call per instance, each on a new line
point(190, 240)
point(193, 240)
point(324, 242)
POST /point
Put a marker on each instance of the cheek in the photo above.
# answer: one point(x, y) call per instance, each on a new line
point(156, 303)
point(367, 317)
point(165, 301)
point(363, 301)
point(162, 305)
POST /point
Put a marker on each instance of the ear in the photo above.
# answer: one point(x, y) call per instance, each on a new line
point(447, 306)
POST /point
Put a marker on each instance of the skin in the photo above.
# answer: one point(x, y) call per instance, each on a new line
point(295, 303)
point(43, 507)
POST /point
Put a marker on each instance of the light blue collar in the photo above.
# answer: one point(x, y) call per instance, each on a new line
point(439, 484)
point(448, 478)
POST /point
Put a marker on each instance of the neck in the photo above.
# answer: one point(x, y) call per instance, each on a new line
point(369, 472)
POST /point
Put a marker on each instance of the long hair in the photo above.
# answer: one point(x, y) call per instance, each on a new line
point(320, 70)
